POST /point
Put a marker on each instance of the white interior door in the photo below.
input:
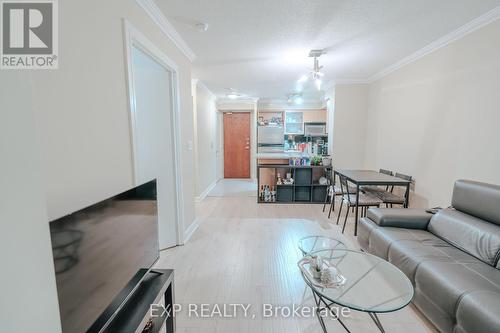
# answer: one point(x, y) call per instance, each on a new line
point(153, 136)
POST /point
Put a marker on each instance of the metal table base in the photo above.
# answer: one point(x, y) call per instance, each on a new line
point(321, 304)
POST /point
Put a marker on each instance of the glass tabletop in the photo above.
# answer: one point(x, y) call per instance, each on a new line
point(372, 284)
point(316, 243)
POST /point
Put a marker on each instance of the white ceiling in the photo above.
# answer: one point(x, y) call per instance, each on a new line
point(259, 47)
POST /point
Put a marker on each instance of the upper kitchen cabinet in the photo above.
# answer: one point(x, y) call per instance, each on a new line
point(315, 116)
point(294, 122)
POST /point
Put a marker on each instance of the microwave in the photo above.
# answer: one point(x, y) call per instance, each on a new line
point(315, 129)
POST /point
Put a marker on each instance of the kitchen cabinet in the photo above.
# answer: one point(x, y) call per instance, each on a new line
point(294, 122)
point(315, 116)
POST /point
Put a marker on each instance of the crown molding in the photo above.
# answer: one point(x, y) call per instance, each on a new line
point(196, 82)
point(350, 81)
point(457, 34)
point(168, 29)
point(240, 104)
point(282, 104)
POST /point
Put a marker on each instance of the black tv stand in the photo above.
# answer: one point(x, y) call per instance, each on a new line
point(157, 287)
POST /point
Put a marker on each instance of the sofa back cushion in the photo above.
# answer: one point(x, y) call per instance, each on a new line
point(477, 199)
point(475, 236)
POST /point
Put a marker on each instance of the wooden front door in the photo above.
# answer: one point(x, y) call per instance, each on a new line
point(237, 145)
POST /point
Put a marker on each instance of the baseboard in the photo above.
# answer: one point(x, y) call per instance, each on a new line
point(190, 231)
point(204, 194)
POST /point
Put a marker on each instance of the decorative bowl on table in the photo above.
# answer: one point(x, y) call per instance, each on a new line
point(321, 273)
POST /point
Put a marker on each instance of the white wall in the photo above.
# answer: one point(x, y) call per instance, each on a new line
point(435, 119)
point(83, 112)
point(206, 173)
point(349, 126)
point(27, 276)
point(438, 118)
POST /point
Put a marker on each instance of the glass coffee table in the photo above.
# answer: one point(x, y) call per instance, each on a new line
point(372, 285)
point(310, 244)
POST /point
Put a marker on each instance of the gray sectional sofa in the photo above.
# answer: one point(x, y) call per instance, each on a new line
point(452, 258)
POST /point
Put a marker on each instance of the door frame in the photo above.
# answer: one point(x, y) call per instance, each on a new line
point(134, 38)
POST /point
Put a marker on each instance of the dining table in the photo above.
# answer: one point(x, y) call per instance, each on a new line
point(372, 178)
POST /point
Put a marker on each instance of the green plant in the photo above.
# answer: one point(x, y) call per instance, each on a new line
point(316, 160)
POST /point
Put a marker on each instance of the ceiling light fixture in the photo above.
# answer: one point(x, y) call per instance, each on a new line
point(294, 98)
point(232, 94)
point(315, 73)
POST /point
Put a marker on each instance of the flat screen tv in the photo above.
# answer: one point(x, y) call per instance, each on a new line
point(101, 254)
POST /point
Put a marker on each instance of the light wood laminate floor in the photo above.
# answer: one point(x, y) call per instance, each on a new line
point(247, 253)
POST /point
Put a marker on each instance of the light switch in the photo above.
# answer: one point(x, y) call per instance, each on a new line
point(190, 145)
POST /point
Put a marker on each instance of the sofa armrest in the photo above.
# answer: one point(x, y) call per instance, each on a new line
point(400, 217)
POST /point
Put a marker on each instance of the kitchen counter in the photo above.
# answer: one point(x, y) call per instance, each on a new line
point(281, 155)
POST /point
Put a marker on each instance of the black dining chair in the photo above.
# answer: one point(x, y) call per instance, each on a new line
point(372, 188)
point(389, 198)
point(349, 199)
point(333, 191)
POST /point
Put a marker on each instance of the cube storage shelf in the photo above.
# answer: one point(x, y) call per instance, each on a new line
point(305, 189)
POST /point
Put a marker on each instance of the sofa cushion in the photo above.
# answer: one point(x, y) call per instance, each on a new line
point(477, 199)
point(478, 312)
point(377, 240)
point(447, 283)
point(365, 227)
point(443, 321)
point(407, 255)
point(399, 217)
point(470, 234)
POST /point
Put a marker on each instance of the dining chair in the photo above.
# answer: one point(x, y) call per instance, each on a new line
point(389, 198)
point(349, 199)
point(333, 191)
point(379, 188)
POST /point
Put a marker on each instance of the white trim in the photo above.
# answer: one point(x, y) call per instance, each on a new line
point(168, 29)
point(190, 231)
point(352, 81)
point(201, 84)
point(226, 104)
point(281, 104)
point(205, 193)
point(461, 32)
point(134, 37)
point(194, 98)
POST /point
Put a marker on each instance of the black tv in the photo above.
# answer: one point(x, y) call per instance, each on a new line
point(101, 254)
